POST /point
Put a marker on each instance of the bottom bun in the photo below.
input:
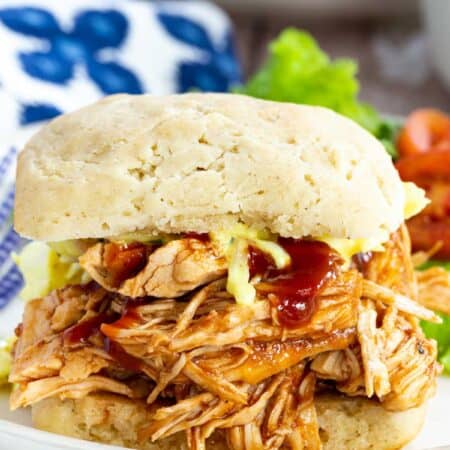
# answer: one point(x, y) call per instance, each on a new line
point(358, 423)
point(344, 422)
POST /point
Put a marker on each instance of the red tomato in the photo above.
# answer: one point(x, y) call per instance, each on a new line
point(424, 168)
point(425, 232)
point(425, 130)
point(439, 194)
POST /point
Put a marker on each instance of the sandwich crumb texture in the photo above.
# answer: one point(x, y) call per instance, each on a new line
point(344, 423)
point(198, 162)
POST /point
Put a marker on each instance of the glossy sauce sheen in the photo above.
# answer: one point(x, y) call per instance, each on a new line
point(296, 288)
point(361, 261)
point(129, 318)
point(119, 355)
point(82, 331)
point(124, 261)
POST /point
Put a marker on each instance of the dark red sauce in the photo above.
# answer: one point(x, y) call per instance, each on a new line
point(119, 355)
point(105, 326)
point(82, 331)
point(258, 262)
point(123, 261)
point(361, 261)
point(129, 318)
point(18, 330)
point(296, 287)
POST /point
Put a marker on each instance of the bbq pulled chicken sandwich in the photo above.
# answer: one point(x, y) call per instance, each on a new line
point(218, 272)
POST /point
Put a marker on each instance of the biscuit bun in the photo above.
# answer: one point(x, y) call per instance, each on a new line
point(199, 162)
point(344, 423)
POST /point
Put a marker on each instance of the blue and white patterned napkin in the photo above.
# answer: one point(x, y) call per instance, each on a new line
point(10, 278)
point(56, 56)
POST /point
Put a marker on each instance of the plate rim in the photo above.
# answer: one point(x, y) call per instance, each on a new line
point(37, 436)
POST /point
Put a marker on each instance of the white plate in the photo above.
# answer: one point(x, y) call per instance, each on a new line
point(16, 431)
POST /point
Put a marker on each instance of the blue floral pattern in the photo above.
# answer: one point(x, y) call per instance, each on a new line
point(36, 112)
point(62, 55)
point(218, 72)
point(92, 32)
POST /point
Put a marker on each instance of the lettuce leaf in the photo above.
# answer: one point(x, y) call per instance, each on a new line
point(441, 333)
point(44, 269)
point(434, 263)
point(298, 71)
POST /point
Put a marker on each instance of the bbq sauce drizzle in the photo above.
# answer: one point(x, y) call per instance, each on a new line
point(80, 333)
point(295, 289)
point(123, 261)
point(294, 294)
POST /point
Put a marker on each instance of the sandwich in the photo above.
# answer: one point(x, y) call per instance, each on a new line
point(211, 271)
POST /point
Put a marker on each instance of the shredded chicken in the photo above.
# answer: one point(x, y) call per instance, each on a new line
point(171, 270)
point(170, 333)
point(41, 351)
point(39, 360)
point(375, 371)
point(174, 327)
point(393, 267)
point(421, 257)
point(434, 289)
point(37, 390)
point(402, 303)
point(48, 358)
point(165, 378)
point(62, 308)
point(344, 367)
point(394, 359)
point(279, 410)
point(407, 360)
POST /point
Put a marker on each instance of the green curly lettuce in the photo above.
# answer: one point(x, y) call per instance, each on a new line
point(298, 71)
point(436, 263)
point(439, 332)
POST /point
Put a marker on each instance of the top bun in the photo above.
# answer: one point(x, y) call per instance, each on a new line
point(201, 162)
